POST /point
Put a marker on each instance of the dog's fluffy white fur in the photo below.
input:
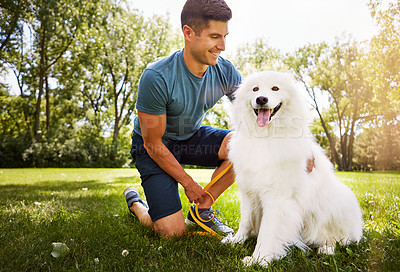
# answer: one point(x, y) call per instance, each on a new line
point(281, 203)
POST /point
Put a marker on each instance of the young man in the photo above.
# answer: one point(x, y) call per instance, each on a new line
point(174, 94)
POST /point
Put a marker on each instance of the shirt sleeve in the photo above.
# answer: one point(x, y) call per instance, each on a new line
point(235, 80)
point(152, 93)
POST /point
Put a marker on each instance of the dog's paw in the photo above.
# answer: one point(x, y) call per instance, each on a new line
point(248, 260)
point(228, 239)
point(329, 250)
point(234, 239)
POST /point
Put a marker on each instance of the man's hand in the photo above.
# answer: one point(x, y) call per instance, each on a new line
point(310, 164)
point(194, 193)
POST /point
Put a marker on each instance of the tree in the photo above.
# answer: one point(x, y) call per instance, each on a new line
point(384, 62)
point(13, 14)
point(54, 31)
point(13, 139)
point(110, 60)
point(378, 146)
point(337, 72)
point(84, 59)
point(257, 55)
point(385, 51)
point(133, 44)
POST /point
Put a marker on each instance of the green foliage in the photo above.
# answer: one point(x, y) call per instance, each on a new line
point(13, 14)
point(14, 137)
point(378, 148)
point(319, 134)
point(258, 56)
point(378, 144)
point(12, 121)
point(85, 149)
point(337, 72)
point(78, 65)
point(385, 54)
point(218, 116)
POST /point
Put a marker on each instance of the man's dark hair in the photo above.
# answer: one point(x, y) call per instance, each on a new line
point(197, 13)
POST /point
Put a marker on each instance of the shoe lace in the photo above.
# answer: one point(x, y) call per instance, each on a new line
point(209, 214)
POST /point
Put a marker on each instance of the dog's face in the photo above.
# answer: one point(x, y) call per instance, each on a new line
point(266, 102)
point(268, 99)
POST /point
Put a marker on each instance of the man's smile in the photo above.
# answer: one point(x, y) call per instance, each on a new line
point(215, 54)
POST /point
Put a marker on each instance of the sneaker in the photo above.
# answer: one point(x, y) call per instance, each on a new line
point(207, 214)
point(132, 195)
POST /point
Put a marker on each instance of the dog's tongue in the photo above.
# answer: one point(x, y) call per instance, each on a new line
point(263, 117)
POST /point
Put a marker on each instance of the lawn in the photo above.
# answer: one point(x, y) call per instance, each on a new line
point(85, 210)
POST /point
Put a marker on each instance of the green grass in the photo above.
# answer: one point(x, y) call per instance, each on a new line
point(42, 206)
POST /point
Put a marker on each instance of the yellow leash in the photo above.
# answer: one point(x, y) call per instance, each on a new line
point(200, 221)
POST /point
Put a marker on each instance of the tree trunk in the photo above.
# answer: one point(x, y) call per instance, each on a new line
point(42, 70)
point(352, 136)
point(116, 131)
point(330, 139)
point(331, 143)
point(47, 108)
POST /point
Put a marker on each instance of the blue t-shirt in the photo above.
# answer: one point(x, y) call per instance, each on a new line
point(168, 87)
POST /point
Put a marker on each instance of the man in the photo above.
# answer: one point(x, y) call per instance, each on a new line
point(174, 94)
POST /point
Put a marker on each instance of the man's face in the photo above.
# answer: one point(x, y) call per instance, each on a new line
point(206, 48)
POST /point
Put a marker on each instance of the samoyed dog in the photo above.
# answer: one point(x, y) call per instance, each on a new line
point(281, 202)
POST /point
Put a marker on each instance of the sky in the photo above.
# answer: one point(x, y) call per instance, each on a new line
point(285, 24)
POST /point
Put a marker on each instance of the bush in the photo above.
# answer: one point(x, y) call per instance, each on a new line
point(11, 150)
point(75, 153)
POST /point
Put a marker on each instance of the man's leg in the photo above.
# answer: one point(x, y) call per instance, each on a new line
point(142, 213)
point(208, 147)
point(165, 215)
point(174, 224)
point(171, 225)
point(226, 180)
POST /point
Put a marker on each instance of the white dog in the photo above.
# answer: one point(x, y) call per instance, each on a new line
point(281, 203)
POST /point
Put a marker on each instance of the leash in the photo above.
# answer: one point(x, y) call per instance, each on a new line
point(200, 221)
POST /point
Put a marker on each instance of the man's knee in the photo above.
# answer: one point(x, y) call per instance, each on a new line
point(223, 150)
point(170, 231)
point(172, 225)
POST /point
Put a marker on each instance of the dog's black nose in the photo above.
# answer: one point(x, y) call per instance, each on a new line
point(262, 100)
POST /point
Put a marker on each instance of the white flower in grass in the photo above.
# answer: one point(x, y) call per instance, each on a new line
point(125, 252)
point(59, 250)
point(96, 260)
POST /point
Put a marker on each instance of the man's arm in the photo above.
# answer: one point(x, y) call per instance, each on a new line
point(153, 128)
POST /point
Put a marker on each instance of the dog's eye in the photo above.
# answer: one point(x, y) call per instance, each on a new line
point(275, 88)
point(255, 89)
